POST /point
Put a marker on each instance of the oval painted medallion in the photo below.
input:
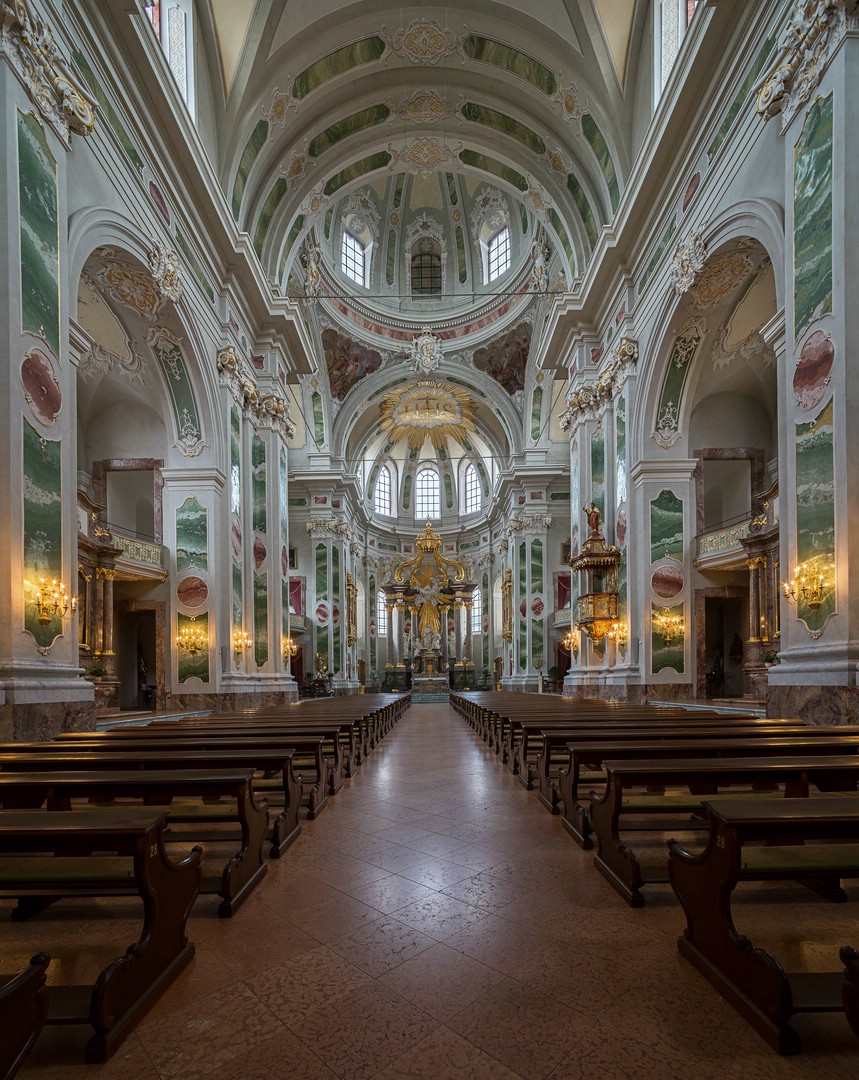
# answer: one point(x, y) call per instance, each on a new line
point(193, 592)
point(813, 370)
point(260, 552)
point(667, 581)
point(41, 388)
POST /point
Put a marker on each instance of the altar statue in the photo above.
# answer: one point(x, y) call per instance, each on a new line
point(429, 617)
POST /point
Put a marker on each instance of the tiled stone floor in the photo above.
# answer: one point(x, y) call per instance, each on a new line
point(437, 922)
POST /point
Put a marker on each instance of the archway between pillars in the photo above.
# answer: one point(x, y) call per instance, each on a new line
point(708, 639)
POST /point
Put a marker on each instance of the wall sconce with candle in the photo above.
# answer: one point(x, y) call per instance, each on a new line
point(807, 586)
point(52, 601)
point(192, 639)
point(242, 642)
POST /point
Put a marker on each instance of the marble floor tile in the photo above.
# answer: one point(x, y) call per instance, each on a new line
point(381, 945)
point(443, 1053)
point(361, 1033)
point(441, 981)
point(528, 1032)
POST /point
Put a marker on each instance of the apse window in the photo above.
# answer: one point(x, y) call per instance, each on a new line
point(353, 258)
point(426, 268)
point(427, 495)
point(499, 254)
point(477, 612)
point(472, 490)
point(381, 613)
point(382, 494)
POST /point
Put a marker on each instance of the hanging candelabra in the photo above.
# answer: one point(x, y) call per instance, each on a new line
point(242, 641)
point(669, 627)
point(290, 648)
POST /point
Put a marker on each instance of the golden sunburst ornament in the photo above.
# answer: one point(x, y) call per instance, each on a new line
point(424, 409)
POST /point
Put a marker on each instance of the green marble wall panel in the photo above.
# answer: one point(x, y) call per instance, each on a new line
point(504, 125)
point(486, 51)
point(451, 189)
point(189, 666)
point(523, 218)
point(523, 644)
point(448, 491)
point(349, 125)
point(812, 217)
point(294, 231)
point(563, 236)
point(674, 384)
point(584, 208)
point(238, 597)
point(371, 163)
point(329, 217)
point(460, 255)
point(297, 501)
point(284, 491)
point(38, 223)
point(43, 525)
point(336, 63)
point(335, 579)
point(603, 155)
point(667, 654)
point(815, 507)
point(334, 662)
point(260, 620)
point(254, 144)
point(536, 410)
point(407, 493)
point(659, 251)
point(666, 527)
point(493, 166)
point(391, 261)
point(538, 657)
point(175, 372)
point(484, 476)
point(318, 420)
point(748, 84)
point(197, 270)
point(108, 111)
point(398, 189)
point(258, 484)
point(273, 200)
point(192, 536)
point(321, 572)
point(598, 469)
point(537, 566)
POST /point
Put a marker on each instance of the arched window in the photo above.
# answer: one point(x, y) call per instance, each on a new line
point(353, 257)
point(381, 614)
point(426, 268)
point(477, 612)
point(672, 18)
point(382, 494)
point(172, 21)
point(427, 494)
point(472, 490)
point(499, 254)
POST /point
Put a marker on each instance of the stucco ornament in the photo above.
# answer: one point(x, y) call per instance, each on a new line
point(281, 101)
point(808, 42)
point(166, 272)
point(423, 156)
point(425, 352)
point(572, 107)
point(425, 107)
point(590, 400)
point(423, 41)
point(689, 258)
point(29, 48)
point(522, 523)
point(329, 527)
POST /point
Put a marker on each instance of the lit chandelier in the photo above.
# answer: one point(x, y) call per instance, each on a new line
point(807, 586)
point(51, 601)
point(192, 639)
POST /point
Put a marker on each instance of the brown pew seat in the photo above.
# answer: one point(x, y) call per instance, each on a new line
point(23, 1009)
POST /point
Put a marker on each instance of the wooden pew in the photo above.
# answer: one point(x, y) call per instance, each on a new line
point(284, 826)
point(587, 752)
point(243, 870)
point(23, 1009)
point(308, 759)
point(620, 864)
point(806, 837)
point(850, 989)
point(128, 985)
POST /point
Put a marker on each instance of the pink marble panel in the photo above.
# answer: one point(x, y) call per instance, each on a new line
point(813, 370)
point(192, 591)
point(41, 388)
point(667, 581)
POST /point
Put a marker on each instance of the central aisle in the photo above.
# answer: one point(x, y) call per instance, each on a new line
point(437, 922)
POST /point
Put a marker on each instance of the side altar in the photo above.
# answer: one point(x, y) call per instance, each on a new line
point(434, 591)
